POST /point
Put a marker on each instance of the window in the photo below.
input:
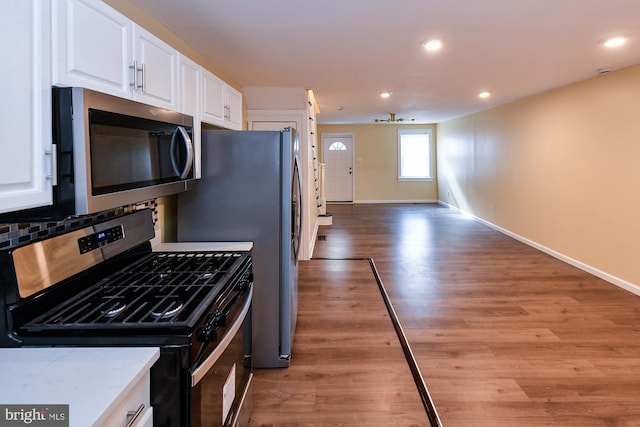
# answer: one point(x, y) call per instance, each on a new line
point(337, 146)
point(414, 155)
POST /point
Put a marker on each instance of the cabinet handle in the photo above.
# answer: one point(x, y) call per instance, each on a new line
point(132, 416)
point(136, 70)
point(53, 176)
point(143, 78)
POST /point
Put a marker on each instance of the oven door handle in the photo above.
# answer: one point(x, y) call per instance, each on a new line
point(200, 371)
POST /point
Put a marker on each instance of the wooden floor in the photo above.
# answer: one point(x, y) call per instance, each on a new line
point(347, 367)
point(504, 335)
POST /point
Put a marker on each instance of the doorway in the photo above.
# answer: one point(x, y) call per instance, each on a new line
point(337, 155)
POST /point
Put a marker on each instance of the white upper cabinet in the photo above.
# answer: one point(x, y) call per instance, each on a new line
point(97, 47)
point(189, 90)
point(234, 108)
point(87, 43)
point(221, 104)
point(26, 164)
point(156, 70)
point(92, 47)
point(189, 93)
point(213, 99)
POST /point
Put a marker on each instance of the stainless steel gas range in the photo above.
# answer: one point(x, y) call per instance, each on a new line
point(104, 286)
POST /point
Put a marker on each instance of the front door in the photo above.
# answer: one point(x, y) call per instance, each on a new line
point(337, 151)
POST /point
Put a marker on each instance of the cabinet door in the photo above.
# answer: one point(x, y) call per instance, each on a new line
point(234, 108)
point(189, 77)
point(136, 397)
point(189, 86)
point(213, 99)
point(157, 69)
point(92, 47)
point(25, 106)
point(146, 419)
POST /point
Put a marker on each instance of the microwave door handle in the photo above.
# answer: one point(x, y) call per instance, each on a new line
point(188, 146)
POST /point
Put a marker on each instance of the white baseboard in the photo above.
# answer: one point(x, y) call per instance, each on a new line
point(395, 201)
point(312, 243)
point(635, 289)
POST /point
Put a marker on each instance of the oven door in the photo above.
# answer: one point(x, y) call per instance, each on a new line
point(221, 381)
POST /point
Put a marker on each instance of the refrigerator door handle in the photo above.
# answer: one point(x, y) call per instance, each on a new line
point(296, 210)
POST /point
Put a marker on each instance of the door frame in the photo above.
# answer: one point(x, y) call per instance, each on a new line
point(353, 158)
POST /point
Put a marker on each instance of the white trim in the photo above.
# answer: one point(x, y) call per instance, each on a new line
point(430, 145)
point(421, 201)
point(628, 286)
point(314, 237)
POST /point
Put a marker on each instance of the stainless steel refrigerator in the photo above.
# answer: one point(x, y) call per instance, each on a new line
point(250, 191)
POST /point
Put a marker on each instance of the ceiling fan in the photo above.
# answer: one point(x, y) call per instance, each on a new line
point(392, 119)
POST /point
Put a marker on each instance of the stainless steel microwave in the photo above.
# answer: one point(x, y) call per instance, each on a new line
point(112, 152)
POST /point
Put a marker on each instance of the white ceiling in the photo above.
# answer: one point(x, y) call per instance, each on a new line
point(348, 51)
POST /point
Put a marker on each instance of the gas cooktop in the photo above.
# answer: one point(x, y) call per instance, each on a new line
point(106, 280)
point(160, 290)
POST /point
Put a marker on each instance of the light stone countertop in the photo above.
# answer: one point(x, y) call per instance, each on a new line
point(92, 381)
point(202, 246)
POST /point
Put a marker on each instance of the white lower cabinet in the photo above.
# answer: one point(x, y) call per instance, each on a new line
point(135, 404)
point(146, 419)
point(26, 164)
point(103, 386)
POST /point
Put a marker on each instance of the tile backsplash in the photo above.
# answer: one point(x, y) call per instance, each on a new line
point(18, 234)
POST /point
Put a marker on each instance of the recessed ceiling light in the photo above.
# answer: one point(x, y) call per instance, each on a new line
point(385, 94)
point(484, 94)
point(432, 45)
point(612, 42)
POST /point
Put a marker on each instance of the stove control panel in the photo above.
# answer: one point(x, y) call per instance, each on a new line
point(100, 238)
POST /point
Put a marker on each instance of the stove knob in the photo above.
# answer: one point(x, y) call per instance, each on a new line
point(219, 319)
point(207, 334)
point(241, 286)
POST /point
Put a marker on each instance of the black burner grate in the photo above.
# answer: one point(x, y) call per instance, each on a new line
point(160, 290)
